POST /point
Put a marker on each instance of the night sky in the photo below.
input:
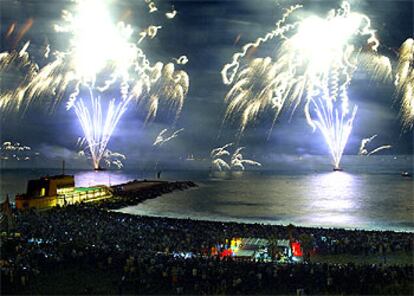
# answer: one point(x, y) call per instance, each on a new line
point(206, 32)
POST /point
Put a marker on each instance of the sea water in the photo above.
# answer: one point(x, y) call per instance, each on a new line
point(369, 194)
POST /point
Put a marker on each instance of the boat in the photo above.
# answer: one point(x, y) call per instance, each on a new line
point(58, 190)
point(99, 169)
point(406, 174)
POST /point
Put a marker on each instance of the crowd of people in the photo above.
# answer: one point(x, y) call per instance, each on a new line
point(144, 254)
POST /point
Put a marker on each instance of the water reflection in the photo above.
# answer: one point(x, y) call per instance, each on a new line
point(336, 199)
point(91, 178)
point(333, 199)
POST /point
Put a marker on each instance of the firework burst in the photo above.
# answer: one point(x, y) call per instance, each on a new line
point(170, 86)
point(236, 162)
point(102, 56)
point(404, 83)
point(313, 66)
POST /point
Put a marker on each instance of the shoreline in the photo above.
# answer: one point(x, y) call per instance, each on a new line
point(260, 222)
point(244, 220)
point(132, 197)
point(122, 253)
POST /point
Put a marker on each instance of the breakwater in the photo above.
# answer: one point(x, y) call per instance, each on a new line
point(137, 191)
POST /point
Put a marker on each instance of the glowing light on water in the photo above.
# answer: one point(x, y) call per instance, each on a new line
point(335, 198)
point(313, 66)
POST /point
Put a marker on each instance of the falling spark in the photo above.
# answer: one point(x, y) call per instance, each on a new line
point(380, 149)
point(113, 158)
point(404, 83)
point(217, 152)
point(162, 137)
point(238, 163)
point(182, 60)
point(151, 32)
point(16, 151)
point(313, 65)
point(363, 147)
point(17, 72)
point(219, 164)
point(170, 85)
point(237, 39)
point(109, 158)
point(171, 14)
point(152, 7)
point(253, 92)
point(26, 27)
point(10, 29)
point(47, 51)
point(378, 66)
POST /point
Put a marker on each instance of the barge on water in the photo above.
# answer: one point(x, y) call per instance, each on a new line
point(59, 190)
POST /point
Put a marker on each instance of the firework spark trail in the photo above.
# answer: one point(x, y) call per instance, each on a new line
point(220, 164)
point(113, 158)
point(278, 31)
point(314, 64)
point(217, 152)
point(171, 14)
point(171, 86)
point(378, 66)
point(16, 151)
point(383, 147)
point(364, 143)
point(162, 138)
point(11, 64)
point(236, 161)
point(109, 157)
point(404, 83)
point(254, 91)
point(97, 126)
point(335, 124)
point(217, 163)
point(182, 60)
